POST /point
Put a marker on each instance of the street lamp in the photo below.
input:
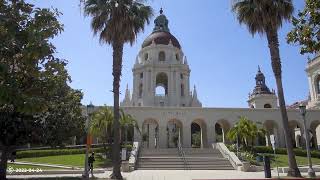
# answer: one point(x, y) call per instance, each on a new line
point(303, 113)
point(90, 109)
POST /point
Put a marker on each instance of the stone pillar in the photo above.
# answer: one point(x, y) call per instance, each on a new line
point(152, 129)
point(314, 142)
point(282, 138)
point(163, 136)
point(201, 138)
point(297, 133)
point(211, 134)
point(186, 138)
point(267, 139)
point(137, 135)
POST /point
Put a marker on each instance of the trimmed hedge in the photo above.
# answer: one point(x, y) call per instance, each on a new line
point(54, 152)
point(298, 152)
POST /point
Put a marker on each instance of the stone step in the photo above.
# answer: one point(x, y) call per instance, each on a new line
point(182, 163)
point(189, 167)
point(197, 159)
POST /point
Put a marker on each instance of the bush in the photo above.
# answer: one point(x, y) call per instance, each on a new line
point(297, 151)
point(54, 152)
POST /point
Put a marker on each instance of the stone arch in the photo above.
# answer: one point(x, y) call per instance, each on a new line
point(296, 130)
point(199, 126)
point(267, 105)
point(222, 127)
point(315, 134)
point(174, 133)
point(161, 84)
point(150, 133)
point(272, 128)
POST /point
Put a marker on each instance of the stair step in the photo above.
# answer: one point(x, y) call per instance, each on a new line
point(196, 159)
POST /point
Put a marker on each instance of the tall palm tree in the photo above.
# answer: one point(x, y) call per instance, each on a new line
point(266, 17)
point(117, 22)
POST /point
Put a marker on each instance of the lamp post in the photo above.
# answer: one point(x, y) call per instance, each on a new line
point(90, 108)
point(303, 112)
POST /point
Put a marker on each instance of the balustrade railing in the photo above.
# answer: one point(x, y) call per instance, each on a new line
point(182, 155)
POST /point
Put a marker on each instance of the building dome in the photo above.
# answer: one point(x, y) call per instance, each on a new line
point(261, 87)
point(161, 33)
point(161, 37)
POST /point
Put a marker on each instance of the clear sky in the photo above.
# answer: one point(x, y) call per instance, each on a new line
point(222, 55)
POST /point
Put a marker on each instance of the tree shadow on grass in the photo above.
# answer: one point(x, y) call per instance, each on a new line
point(102, 163)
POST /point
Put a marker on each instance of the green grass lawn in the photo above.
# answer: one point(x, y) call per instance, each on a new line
point(75, 160)
point(282, 160)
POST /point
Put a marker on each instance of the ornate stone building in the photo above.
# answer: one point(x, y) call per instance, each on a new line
point(166, 108)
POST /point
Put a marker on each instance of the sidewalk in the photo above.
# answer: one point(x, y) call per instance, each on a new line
point(166, 175)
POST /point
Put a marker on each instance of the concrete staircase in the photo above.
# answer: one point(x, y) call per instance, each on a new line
point(196, 159)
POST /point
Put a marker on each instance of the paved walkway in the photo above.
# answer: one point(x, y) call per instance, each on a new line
point(170, 175)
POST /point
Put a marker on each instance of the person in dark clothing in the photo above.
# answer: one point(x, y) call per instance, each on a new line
point(13, 155)
point(90, 162)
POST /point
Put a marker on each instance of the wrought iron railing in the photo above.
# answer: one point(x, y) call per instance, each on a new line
point(182, 155)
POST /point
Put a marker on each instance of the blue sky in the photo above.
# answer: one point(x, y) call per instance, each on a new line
point(222, 55)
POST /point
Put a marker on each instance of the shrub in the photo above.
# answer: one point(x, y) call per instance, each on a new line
point(54, 152)
point(297, 151)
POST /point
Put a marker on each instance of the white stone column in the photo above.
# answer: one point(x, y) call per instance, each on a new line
point(137, 135)
point(211, 134)
point(186, 138)
point(163, 136)
point(276, 137)
point(282, 138)
point(152, 128)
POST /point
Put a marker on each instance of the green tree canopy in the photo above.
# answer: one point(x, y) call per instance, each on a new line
point(306, 30)
point(33, 83)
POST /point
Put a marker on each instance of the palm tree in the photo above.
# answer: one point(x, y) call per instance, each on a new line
point(100, 125)
point(266, 17)
point(127, 121)
point(117, 22)
point(244, 130)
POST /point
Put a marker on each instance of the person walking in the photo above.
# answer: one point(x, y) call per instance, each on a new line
point(13, 155)
point(90, 162)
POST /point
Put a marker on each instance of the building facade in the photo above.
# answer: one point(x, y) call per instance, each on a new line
point(167, 110)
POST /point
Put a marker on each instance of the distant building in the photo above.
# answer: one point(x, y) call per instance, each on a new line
point(165, 106)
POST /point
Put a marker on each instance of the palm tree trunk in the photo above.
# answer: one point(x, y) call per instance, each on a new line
point(3, 163)
point(117, 66)
point(273, 42)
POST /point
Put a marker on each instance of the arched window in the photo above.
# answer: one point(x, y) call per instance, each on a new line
point(146, 56)
point(182, 89)
point(162, 56)
point(177, 57)
point(160, 91)
point(267, 106)
point(161, 88)
point(140, 90)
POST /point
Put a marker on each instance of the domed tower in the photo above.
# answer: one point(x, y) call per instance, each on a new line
point(262, 97)
point(161, 72)
point(313, 72)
